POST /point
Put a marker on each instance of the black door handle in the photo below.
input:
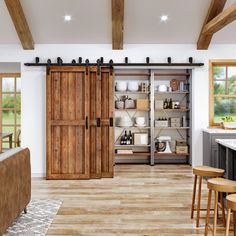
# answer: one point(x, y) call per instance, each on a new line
point(111, 121)
point(86, 122)
point(98, 122)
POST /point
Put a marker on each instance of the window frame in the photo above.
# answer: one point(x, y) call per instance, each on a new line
point(212, 96)
point(14, 93)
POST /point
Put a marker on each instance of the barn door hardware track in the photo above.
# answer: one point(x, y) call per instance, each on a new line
point(100, 62)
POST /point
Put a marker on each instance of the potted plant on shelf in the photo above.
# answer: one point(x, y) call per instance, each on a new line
point(229, 122)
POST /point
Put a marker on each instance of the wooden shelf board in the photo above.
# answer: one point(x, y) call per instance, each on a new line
point(178, 110)
point(178, 92)
point(171, 154)
point(132, 74)
point(171, 159)
point(171, 74)
point(117, 145)
point(172, 128)
point(133, 127)
point(132, 109)
point(135, 154)
point(129, 92)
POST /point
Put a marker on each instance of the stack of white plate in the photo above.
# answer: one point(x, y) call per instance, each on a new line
point(140, 121)
point(124, 121)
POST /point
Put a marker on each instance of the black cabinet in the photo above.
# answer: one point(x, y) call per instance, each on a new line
point(210, 147)
point(227, 161)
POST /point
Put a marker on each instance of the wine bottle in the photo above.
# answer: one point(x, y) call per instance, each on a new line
point(130, 138)
point(122, 140)
point(165, 105)
point(125, 138)
point(170, 104)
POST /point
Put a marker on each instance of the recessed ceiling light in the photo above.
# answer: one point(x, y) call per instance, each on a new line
point(164, 18)
point(67, 18)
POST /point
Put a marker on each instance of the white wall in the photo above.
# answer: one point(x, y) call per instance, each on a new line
point(33, 84)
point(10, 67)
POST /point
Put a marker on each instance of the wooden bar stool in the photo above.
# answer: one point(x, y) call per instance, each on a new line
point(219, 186)
point(231, 206)
point(202, 171)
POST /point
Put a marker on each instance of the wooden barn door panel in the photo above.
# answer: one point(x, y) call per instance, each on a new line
point(107, 129)
point(101, 134)
point(67, 112)
point(95, 130)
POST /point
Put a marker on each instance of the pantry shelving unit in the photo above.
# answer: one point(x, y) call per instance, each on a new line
point(141, 153)
point(176, 133)
point(154, 77)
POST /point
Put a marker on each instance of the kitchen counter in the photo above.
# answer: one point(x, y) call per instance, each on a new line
point(219, 131)
point(229, 143)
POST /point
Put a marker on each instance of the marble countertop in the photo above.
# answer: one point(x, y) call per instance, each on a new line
point(219, 131)
point(229, 143)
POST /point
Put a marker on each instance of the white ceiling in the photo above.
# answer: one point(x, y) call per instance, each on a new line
point(91, 22)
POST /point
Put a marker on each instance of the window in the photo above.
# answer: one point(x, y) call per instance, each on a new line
point(222, 91)
point(10, 87)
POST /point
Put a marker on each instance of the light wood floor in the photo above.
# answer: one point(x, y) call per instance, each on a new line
point(139, 200)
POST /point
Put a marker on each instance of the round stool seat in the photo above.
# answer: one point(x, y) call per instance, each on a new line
point(208, 171)
point(222, 185)
point(231, 201)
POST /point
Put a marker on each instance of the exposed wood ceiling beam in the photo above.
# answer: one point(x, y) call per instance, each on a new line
point(18, 17)
point(220, 21)
point(117, 23)
point(215, 9)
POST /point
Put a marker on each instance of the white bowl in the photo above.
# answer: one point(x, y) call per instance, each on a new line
point(121, 86)
point(140, 120)
point(133, 86)
point(162, 88)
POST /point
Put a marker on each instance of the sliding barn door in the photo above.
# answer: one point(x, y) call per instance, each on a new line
point(101, 123)
point(95, 129)
point(67, 123)
point(107, 123)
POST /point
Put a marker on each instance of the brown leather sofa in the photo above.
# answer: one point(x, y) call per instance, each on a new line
point(15, 185)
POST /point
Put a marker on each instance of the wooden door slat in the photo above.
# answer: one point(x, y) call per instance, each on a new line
point(95, 132)
point(49, 135)
point(56, 94)
point(67, 122)
point(64, 96)
point(71, 129)
point(86, 140)
point(56, 162)
point(111, 129)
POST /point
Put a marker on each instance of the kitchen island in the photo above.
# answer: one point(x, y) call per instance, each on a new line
point(227, 157)
point(210, 146)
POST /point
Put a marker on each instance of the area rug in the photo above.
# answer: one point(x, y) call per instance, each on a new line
point(36, 222)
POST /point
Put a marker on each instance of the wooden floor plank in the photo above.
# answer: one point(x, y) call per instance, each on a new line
point(139, 200)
